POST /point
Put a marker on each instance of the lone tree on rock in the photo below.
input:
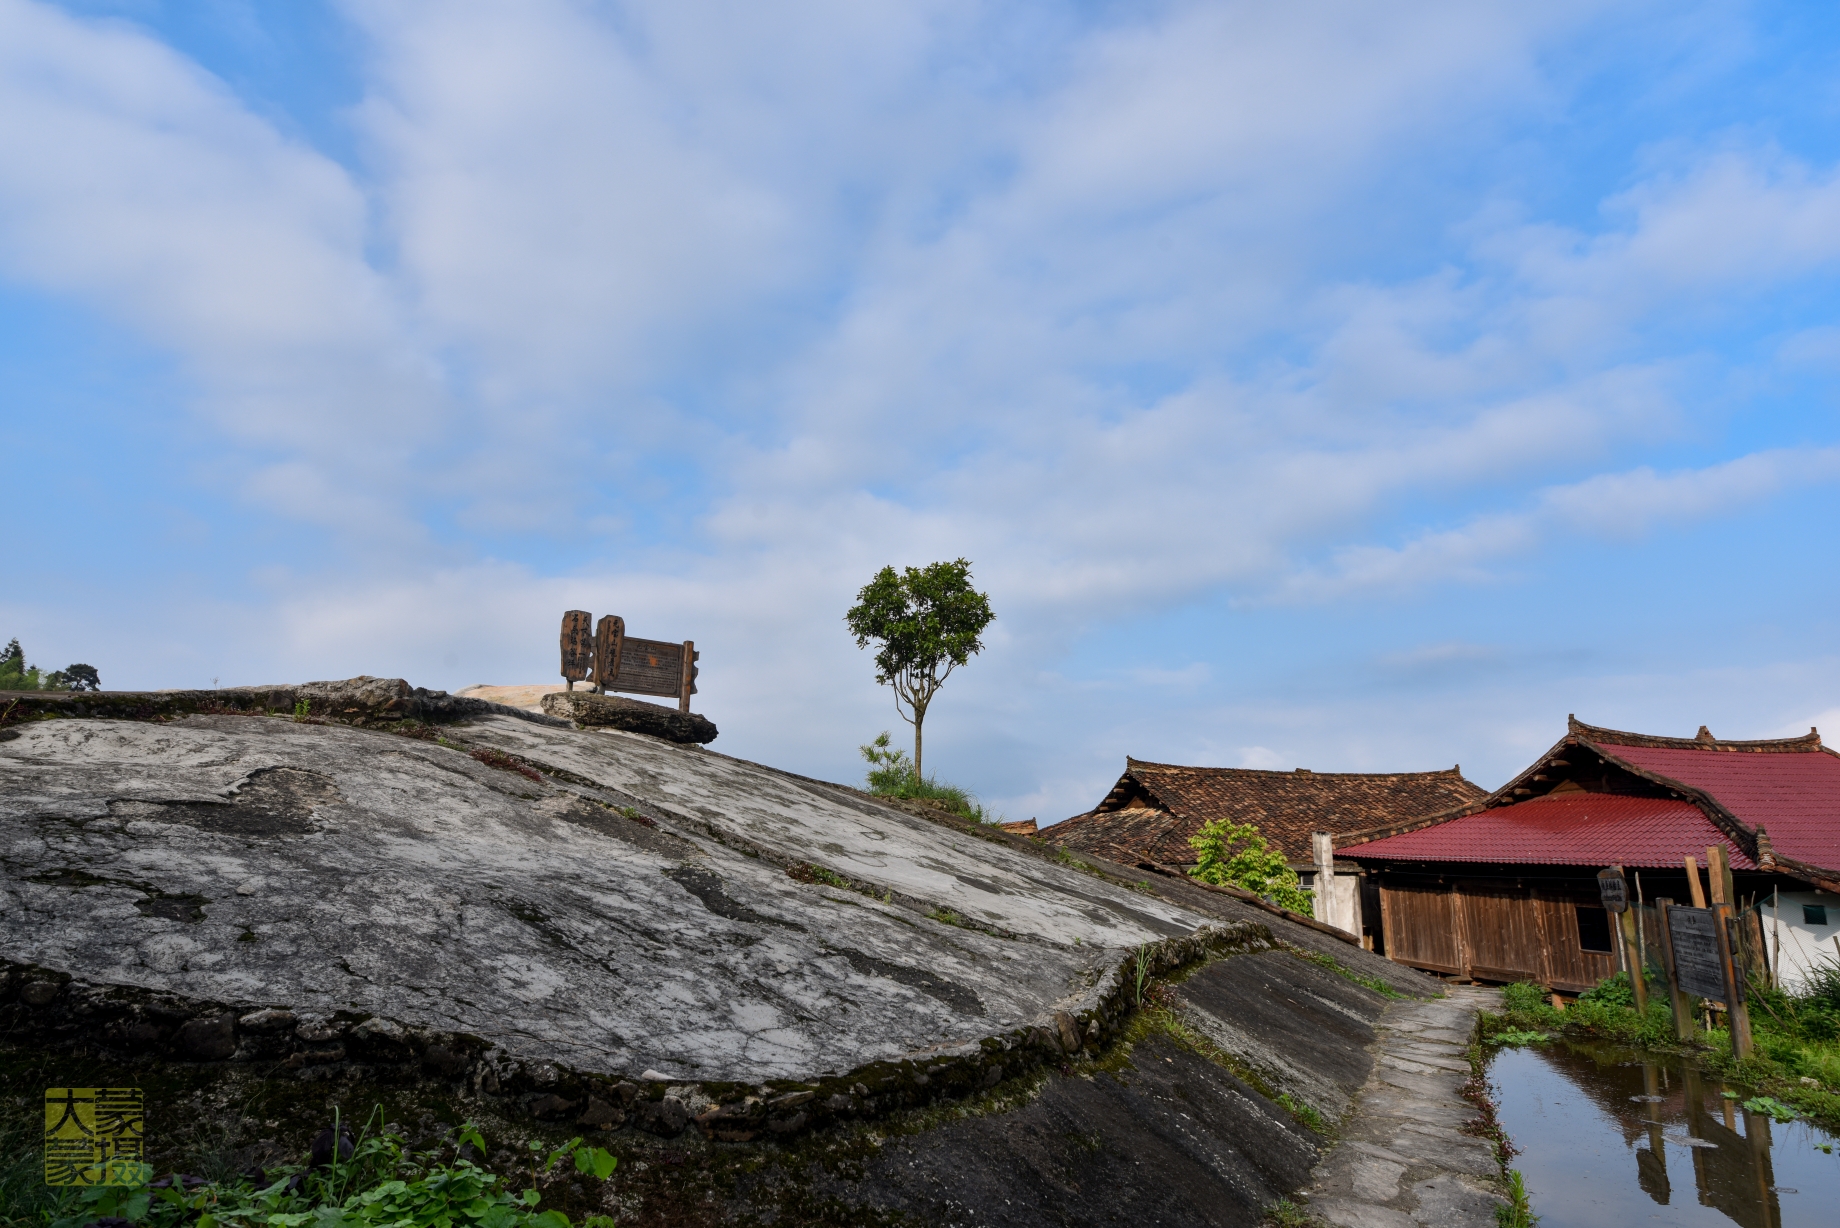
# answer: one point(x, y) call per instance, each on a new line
point(927, 620)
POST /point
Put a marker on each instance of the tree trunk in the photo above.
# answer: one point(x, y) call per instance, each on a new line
point(919, 719)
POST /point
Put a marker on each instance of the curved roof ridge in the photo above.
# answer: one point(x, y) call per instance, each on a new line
point(1132, 764)
point(1810, 741)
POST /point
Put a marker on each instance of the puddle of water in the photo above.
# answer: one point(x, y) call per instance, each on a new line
point(1606, 1139)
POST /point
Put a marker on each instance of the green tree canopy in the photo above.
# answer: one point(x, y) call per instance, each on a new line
point(1235, 855)
point(928, 621)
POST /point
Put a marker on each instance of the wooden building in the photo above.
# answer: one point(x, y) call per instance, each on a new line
point(1505, 888)
point(1154, 808)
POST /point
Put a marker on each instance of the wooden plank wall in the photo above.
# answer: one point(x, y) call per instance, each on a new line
point(1492, 931)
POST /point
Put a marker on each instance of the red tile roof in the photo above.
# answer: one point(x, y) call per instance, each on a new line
point(1793, 795)
point(1570, 829)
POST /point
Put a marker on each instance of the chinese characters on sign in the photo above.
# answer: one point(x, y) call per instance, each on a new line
point(92, 1135)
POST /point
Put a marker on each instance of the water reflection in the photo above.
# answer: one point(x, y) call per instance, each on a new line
point(1607, 1138)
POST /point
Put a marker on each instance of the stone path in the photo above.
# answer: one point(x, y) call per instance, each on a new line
point(1403, 1160)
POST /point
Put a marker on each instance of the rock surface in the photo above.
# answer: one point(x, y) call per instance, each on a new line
point(617, 916)
point(776, 990)
point(633, 715)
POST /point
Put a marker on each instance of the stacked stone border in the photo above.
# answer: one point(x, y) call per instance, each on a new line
point(45, 1008)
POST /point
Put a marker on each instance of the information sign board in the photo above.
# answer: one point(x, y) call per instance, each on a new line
point(1614, 890)
point(1696, 952)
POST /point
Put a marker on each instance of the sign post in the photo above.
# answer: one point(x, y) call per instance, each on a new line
point(1737, 1015)
point(1683, 1019)
point(1614, 889)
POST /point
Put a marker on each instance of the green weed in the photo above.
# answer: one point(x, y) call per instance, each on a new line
point(1517, 1212)
point(1334, 965)
point(374, 1182)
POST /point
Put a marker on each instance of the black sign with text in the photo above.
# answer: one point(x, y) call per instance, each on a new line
point(1696, 953)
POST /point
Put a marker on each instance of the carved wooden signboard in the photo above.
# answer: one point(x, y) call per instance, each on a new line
point(620, 662)
point(577, 645)
point(1696, 952)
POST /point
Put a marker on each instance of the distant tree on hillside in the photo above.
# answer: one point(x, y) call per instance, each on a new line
point(16, 675)
point(928, 620)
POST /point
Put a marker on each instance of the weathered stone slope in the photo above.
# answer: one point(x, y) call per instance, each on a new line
point(260, 862)
point(544, 927)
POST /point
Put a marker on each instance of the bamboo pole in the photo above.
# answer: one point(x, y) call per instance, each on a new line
point(1638, 975)
point(1641, 924)
point(1776, 937)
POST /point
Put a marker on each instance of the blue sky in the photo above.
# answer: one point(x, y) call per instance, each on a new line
point(1337, 385)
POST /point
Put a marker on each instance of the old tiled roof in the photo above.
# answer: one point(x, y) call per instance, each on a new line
point(1774, 802)
point(1570, 829)
point(1156, 807)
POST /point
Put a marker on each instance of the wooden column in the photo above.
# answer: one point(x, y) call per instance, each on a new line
point(1677, 1001)
point(689, 676)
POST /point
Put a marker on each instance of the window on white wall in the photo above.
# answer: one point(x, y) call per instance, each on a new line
point(1814, 914)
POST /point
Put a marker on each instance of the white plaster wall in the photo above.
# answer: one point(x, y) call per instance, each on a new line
point(1795, 945)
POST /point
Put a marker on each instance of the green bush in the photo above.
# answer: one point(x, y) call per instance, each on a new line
point(378, 1183)
point(1235, 855)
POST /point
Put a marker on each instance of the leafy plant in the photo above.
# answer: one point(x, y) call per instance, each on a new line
point(1236, 855)
point(1324, 960)
point(1143, 969)
point(947, 917)
point(302, 709)
point(1777, 1110)
point(1518, 1036)
point(375, 1183)
point(927, 621)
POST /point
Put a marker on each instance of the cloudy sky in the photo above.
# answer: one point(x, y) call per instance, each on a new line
point(1345, 385)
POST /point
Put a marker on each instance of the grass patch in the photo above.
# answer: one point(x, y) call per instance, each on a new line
point(806, 872)
point(891, 774)
point(1334, 965)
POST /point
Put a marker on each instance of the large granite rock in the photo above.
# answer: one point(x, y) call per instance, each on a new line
point(545, 927)
point(633, 715)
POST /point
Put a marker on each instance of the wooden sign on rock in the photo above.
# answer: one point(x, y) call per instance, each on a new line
point(619, 662)
point(577, 646)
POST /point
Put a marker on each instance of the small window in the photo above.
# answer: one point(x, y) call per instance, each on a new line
point(1814, 914)
point(1594, 930)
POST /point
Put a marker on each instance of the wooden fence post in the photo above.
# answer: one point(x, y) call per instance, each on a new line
point(1697, 893)
point(1683, 1020)
point(689, 676)
point(1737, 1015)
